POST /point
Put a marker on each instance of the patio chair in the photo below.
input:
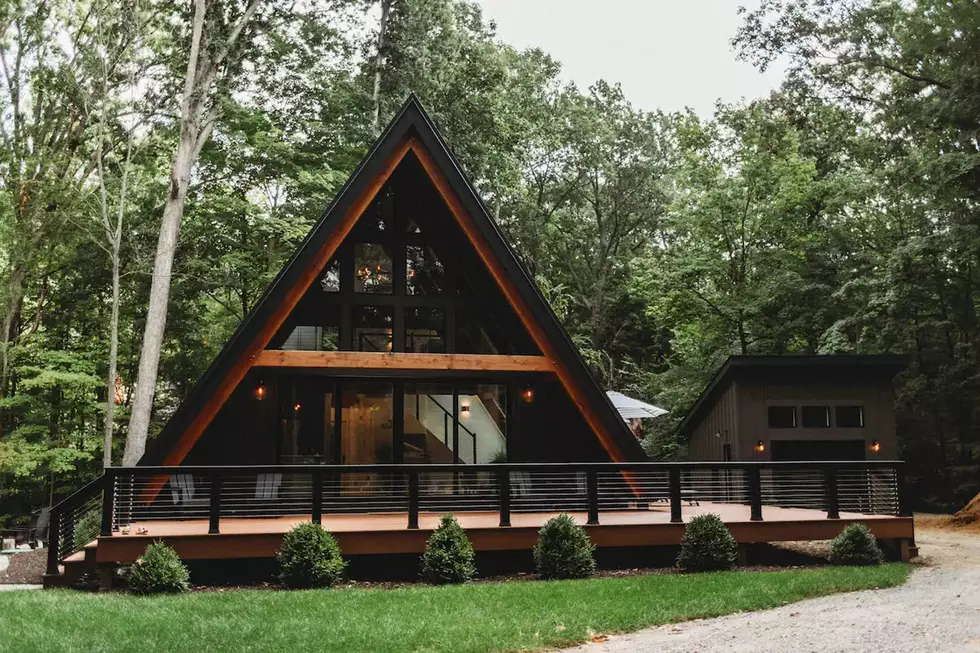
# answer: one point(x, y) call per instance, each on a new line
point(32, 533)
point(182, 492)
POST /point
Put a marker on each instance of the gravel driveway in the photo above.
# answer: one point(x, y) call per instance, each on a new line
point(937, 611)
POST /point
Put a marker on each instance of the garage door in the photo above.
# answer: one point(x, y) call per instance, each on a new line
point(818, 449)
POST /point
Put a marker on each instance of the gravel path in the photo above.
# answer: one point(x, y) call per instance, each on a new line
point(937, 611)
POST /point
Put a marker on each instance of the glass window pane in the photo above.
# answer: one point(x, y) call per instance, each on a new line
point(366, 435)
point(782, 417)
point(372, 269)
point(372, 328)
point(306, 422)
point(476, 336)
point(424, 274)
point(850, 417)
point(428, 436)
point(482, 423)
point(312, 338)
point(815, 417)
point(423, 330)
point(330, 281)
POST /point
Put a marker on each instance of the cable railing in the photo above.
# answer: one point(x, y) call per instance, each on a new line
point(125, 498)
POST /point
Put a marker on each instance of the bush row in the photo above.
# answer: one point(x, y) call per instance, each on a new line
point(309, 556)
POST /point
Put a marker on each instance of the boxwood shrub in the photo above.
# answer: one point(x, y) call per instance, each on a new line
point(564, 550)
point(448, 556)
point(309, 557)
point(855, 546)
point(707, 545)
point(158, 571)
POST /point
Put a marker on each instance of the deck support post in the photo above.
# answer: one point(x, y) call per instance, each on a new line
point(503, 487)
point(833, 500)
point(214, 513)
point(413, 499)
point(674, 481)
point(317, 512)
point(755, 493)
point(592, 491)
point(54, 539)
point(108, 501)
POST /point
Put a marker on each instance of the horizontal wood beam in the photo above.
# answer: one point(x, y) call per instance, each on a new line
point(403, 361)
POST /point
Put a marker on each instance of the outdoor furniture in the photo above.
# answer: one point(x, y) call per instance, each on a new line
point(267, 486)
point(182, 492)
point(34, 532)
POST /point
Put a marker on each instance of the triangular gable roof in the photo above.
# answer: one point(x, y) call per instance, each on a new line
point(410, 131)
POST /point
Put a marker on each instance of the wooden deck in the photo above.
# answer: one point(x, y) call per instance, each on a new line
point(358, 534)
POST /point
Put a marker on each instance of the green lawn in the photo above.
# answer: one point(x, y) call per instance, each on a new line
point(476, 617)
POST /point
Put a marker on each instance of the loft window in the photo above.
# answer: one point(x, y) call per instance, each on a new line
point(815, 417)
point(372, 328)
point(850, 417)
point(330, 281)
point(782, 417)
point(372, 269)
point(424, 328)
point(312, 338)
point(424, 274)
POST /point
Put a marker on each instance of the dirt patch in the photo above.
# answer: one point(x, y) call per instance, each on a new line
point(25, 568)
point(949, 523)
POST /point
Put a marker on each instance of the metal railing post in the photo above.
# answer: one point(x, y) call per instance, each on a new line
point(214, 513)
point(592, 492)
point(755, 493)
point(674, 482)
point(317, 512)
point(503, 485)
point(904, 505)
point(108, 501)
point(413, 499)
point(833, 499)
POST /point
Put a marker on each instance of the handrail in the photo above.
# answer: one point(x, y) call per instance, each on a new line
point(64, 507)
point(73, 498)
point(502, 467)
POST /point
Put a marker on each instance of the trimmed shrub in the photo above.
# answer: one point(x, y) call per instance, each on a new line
point(309, 557)
point(564, 550)
point(158, 571)
point(448, 556)
point(707, 545)
point(855, 546)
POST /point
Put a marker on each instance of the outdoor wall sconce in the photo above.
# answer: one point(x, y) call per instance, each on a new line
point(259, 392)
point(876, 446)
point(528, 395)
point(297, 407)
point(464, 410)
point(760, 446)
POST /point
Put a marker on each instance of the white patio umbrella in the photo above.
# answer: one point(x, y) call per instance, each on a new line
point(630, 408)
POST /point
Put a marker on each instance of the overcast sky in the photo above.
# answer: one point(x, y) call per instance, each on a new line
point(667, 54)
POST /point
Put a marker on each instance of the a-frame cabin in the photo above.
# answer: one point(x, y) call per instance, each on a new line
point(404, 365)
point(403, 330)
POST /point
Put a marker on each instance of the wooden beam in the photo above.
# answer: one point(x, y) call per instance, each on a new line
point(510, 291)
point(403, 361)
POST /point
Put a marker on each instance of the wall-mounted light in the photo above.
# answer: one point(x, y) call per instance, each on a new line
point(760, 446)
point(876, 446)
point(464, 410)
point(259, 392)
point(527, 394)
point(297, 407)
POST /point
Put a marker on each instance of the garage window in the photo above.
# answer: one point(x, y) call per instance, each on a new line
point(850, 417)
point(782, 417)
point(815, 417)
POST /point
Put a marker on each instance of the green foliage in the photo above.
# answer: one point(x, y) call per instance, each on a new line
point(707, 545)
point(158, 571)
point(87, 527)
point(448, 555)
point(309, 557)
point(563, 550)
point(855, 546)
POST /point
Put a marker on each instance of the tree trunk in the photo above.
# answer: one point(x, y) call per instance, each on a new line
point(378, 60)
point(173, 212)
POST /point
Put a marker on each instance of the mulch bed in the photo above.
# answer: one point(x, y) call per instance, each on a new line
point(25, 568)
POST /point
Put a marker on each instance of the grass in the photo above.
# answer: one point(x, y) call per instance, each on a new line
point(471, 618)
